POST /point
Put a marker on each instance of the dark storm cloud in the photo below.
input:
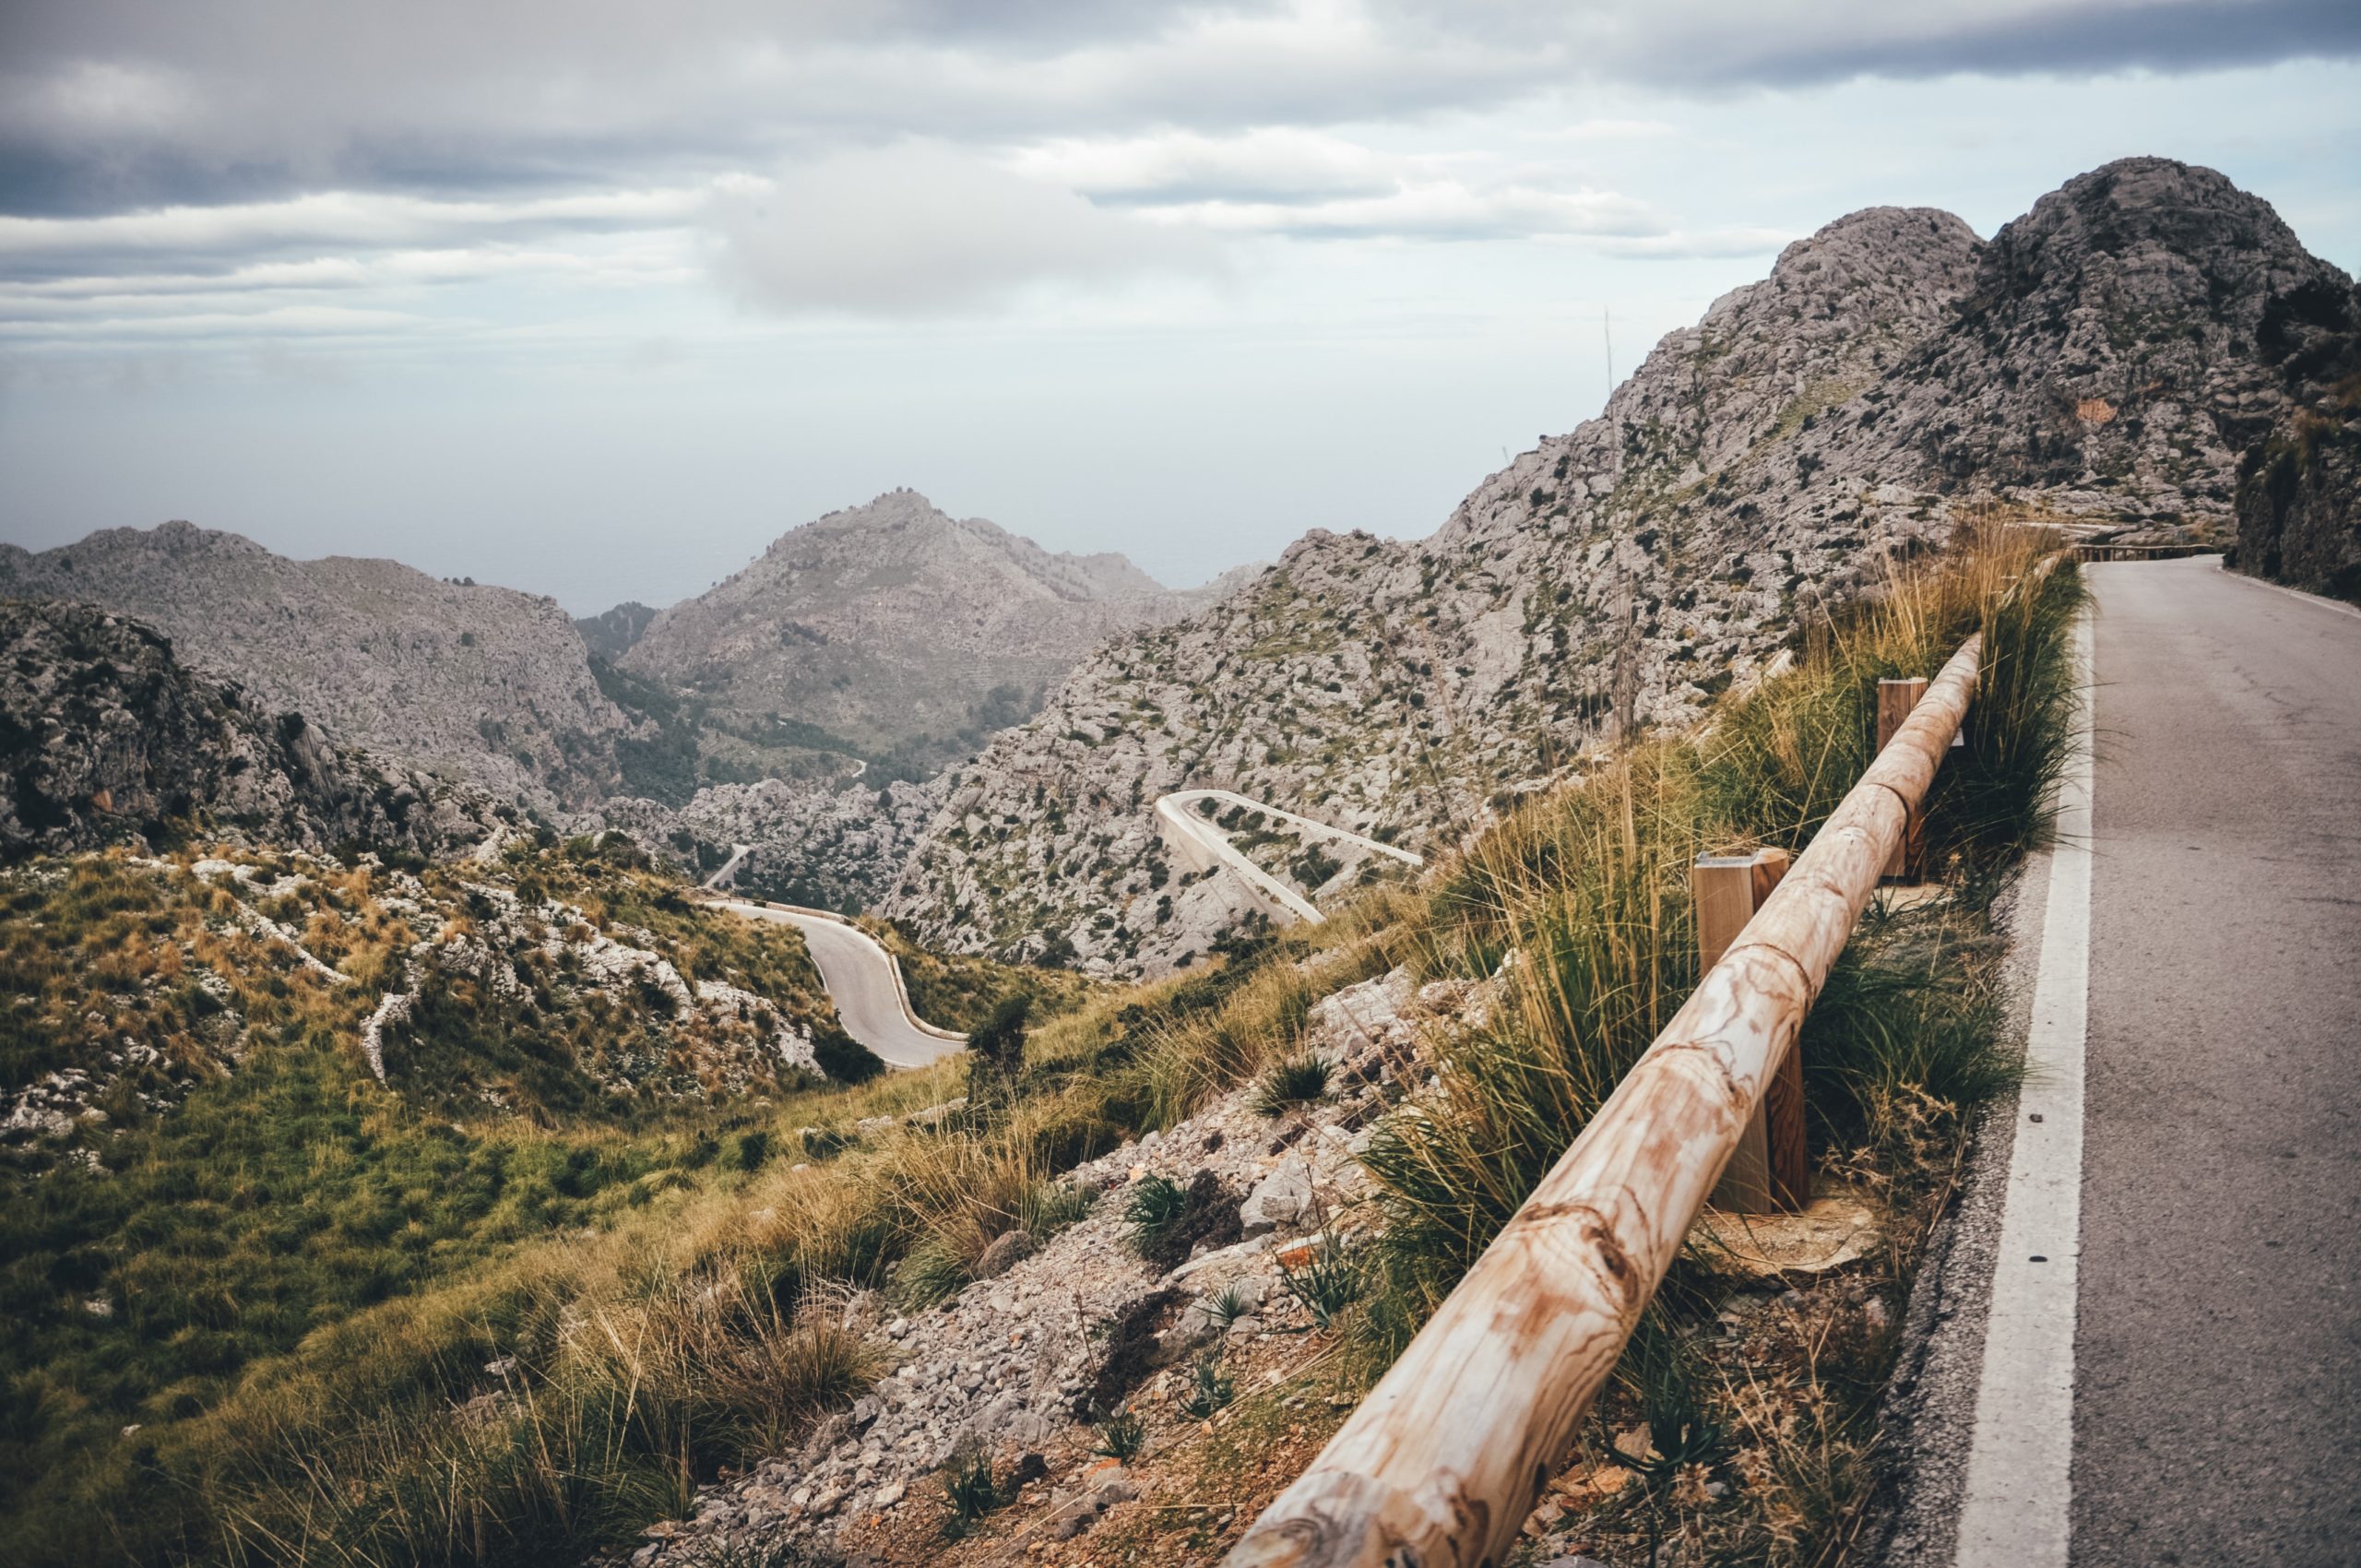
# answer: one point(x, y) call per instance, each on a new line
point(110, 106)
point(1730, 43)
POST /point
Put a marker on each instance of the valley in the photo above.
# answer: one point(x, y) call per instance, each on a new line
point(940, 1052)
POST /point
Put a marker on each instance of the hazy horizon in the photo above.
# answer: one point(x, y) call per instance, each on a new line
point(595, 305)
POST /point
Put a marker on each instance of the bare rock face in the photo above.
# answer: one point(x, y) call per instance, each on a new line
point(817, 843)
point(896, 625)
point(469, 683)
point(2099, 358)
point(105, 735)
point(2299, 491)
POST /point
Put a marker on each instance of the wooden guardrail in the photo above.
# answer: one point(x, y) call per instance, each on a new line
point(2101, 551)
point(1443, 1460)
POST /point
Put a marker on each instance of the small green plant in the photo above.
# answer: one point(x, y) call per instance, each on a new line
point(996, 1053)
point(971, 1489)
point(1156, 1205)
point(1331, 1279)
point(1664, 1370)
point(826, 1143)
point(1051, 1207)
point(1122, 1436)
point(1211, 1392)
point(1296, 1081)
point(929, 1275)
point(1230, 1306)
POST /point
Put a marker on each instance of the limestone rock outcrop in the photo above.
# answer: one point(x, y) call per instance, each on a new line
point(895, 625)
point(468, 682)
point(2100, 361)
point(105, 735)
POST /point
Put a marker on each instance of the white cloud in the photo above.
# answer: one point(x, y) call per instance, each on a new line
point(918, 230)
point(332, 218)
point(1436, 209)
point(1276, 161)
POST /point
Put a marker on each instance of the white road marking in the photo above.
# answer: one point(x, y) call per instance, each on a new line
point(2017, 1512)
point(2314, 600)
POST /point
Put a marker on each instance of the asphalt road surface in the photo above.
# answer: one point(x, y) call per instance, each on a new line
point(2209, 1219)
point(2217, 1401)
point(1203, 844)
point(859, 978)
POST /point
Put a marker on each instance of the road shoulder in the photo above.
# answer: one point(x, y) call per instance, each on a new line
point(1927, 1422)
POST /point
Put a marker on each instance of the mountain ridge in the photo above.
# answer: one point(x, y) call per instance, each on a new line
point(1892, 377)
point(894, 625)
point(475, 682)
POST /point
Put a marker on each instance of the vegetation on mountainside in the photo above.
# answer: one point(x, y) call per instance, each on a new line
point(236, 1181)
point(543, 1376)
point(959, 991)
point(1589, 887)
point(693, 746)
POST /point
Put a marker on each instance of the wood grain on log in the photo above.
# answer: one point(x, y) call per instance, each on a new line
point(1442, 1462)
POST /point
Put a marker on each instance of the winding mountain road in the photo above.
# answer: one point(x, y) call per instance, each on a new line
point(865, 983)
point(738, 853)
point(1204, 846)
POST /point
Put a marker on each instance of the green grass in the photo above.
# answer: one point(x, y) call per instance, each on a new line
point(311, 1271)
point(1299, 1080)
point(1156, 1204)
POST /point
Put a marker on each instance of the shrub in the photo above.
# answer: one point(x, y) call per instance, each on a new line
point(1210, 1391)
point(972, 1492)
point(996, 1053)
point(1155, 1206)
point(929, 1275)
point(1229, 1307)
point(1122, 1436)
point(1295, 1081)
point(1331, 1279)
point(1053, 1205)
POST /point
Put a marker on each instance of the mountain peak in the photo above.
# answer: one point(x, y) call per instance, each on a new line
point(895, 622)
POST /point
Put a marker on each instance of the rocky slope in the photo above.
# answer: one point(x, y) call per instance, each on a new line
point(2299, 492)
point(894, 625)
point(813, 842)
point(474, 683)
point(610, 634)
point(105, 734)
point(1050, 1339)
point(2098, 357)
point(540, 981)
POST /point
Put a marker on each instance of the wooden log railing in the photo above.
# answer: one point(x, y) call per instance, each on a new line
point(1444, 1459)
point(2102, 550)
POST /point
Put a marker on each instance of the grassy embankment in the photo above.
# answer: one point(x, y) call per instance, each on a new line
point(689, 1326)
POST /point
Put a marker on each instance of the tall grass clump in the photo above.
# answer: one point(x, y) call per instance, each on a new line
point(1580, 902)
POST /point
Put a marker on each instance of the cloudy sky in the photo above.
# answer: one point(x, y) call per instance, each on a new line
point(596, 297)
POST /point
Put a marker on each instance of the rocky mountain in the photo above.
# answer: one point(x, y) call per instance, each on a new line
point(2299, 491)
point(2100, 359)
point(105, 734)
point(813, 842)
point(892, 627)
point(469, 683)
point(610, 634)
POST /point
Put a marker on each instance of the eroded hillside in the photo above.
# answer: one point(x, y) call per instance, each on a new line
point(2096, 358)
point(470, 682)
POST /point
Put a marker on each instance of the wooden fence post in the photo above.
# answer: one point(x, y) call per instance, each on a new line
point(1770, 1169)
point(1896, 700)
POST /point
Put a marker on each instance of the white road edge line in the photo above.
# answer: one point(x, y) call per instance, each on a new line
point(2017, 1511)
point(2316, 600)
